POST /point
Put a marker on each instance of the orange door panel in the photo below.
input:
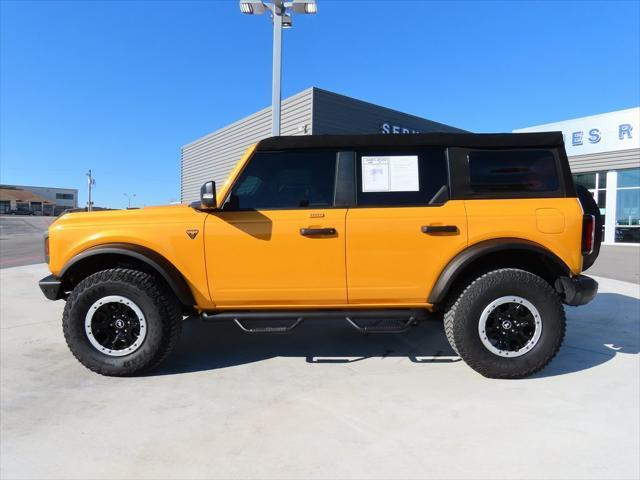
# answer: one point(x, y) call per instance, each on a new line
point(392, 255)
point(261, 258)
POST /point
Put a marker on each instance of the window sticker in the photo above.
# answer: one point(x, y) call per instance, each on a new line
point(390, 174)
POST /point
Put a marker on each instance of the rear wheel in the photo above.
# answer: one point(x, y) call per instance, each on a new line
point(121, 322)
point(508, 323)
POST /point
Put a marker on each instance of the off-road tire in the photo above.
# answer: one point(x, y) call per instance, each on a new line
point(159, 306)
point(461, 323)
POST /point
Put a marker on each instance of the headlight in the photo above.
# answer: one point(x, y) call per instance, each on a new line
point(46, 247)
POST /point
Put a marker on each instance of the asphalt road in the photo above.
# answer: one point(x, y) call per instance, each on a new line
point(21, 240)
point(621, 262)
point(321, 402)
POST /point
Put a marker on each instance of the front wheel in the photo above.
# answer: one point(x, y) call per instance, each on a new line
point(121, 322)
point(508, 323)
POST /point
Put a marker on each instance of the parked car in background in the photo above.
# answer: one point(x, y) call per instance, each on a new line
point(21, 211)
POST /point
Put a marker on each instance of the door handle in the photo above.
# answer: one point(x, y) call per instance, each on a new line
point(436, 229)
point(310, 232)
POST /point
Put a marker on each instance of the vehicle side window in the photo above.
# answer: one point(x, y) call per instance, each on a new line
point(285, 180)
point(512, 171)
point(402, 178)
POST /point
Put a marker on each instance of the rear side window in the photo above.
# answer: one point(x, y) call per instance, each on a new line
point(512, 171)
point(285, 180)
point(402, 178)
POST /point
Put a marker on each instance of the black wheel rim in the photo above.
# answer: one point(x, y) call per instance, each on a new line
point(115, 325)
point(510, 326)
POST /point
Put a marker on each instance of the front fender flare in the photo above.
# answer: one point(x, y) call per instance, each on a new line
point(153, 259)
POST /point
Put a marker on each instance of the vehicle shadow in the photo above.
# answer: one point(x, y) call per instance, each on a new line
point(596, 333)
point(610, 325)
point(209, 346)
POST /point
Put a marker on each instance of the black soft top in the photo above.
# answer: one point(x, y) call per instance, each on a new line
point(469, 140)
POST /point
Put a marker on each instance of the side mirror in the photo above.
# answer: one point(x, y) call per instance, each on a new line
point(208, 196)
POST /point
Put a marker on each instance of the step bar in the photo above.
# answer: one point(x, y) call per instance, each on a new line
point(404, 318)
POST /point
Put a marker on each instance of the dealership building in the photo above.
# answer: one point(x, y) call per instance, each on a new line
point(604, 155)
point(311, 112)
point(603, 150)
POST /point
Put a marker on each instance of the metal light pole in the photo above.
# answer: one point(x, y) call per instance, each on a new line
point(91, 182)
point(276, 91)
point(281, 19)
point(129, 197)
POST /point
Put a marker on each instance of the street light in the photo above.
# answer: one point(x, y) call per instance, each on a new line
point(281, 19)
point(129, 197)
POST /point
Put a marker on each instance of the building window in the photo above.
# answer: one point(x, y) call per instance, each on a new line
point(628, 206)
point(596, 183)
point(64, 196)
point(5, 206)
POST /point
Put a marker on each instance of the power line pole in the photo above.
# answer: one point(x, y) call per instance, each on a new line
point(90, 182)
point(129, 197)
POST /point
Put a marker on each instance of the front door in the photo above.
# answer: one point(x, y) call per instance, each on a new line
point(404, 229)
point(278, 240)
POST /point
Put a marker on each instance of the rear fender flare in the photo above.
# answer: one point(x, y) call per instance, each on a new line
point(464, 259)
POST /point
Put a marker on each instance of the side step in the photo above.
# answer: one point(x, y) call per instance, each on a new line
point(379, 325)
point(365, 321)
point(267, 329)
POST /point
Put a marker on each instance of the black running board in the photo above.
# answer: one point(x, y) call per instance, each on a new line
point(397, 325)
point(384, 321)
point(268, 329)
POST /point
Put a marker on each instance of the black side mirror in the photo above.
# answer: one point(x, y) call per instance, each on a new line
point(208, 196)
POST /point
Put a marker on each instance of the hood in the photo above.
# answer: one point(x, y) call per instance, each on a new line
point(155, 214)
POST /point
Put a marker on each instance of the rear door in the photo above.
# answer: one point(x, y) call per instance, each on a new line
point(279, 238)
point(404, 229)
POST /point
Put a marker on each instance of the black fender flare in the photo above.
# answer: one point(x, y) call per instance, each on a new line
point(465, 258)
point(153, 259)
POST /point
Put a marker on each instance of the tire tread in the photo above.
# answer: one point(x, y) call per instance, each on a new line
point(165, 301)
point(456, 312)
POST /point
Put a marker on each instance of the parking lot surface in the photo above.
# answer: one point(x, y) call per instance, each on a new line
point(321, 402)
point(21, 240)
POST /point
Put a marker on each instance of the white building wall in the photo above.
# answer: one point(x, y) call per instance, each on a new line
point(51, 193)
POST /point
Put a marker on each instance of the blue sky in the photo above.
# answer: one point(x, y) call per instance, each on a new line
point(119, 86)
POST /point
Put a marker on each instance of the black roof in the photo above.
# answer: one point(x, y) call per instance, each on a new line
point(471, 140)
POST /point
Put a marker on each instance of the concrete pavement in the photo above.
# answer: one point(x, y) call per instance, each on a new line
point(322, 402)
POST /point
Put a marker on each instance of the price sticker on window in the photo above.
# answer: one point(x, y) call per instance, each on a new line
point(390, 174)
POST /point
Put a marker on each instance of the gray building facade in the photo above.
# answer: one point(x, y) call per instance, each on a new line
point(311, 112)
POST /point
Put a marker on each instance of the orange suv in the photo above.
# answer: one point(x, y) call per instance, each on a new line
point(485, 232)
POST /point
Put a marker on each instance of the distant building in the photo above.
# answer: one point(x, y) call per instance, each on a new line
point(46, 201)
point(311, 112)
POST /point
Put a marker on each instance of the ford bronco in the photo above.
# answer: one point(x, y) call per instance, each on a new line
point(485, 232)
